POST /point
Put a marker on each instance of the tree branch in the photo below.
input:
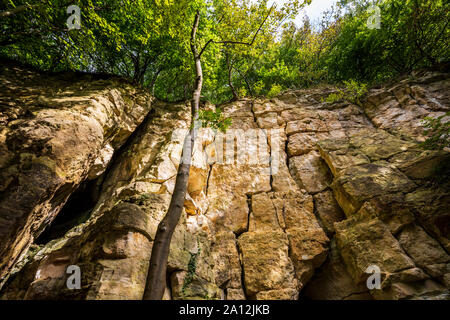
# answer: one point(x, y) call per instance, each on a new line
point(17, 10)
point(238, 42)
point(194, 36)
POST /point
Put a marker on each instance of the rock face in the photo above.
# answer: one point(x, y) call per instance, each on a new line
point(55, 133)
point(297, 199)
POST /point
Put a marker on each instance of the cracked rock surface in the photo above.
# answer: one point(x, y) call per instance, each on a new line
point(322, 192)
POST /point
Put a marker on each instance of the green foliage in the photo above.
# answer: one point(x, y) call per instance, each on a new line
point(335, 97)
point(413, 34)
point(138, 39)
point(148, 41)
point(274, 91)
point(353, 92)
point(214, 119)
point(192, 267)
point(140, 199)
point(438, 132)
point(143, 198)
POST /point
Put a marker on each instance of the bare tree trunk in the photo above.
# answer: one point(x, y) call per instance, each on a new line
point(230, 77)
point(156, 278)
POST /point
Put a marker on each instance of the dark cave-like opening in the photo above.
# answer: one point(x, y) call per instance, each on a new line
point(77, 210)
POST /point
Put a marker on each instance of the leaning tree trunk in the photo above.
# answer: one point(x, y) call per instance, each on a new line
point(156, 278)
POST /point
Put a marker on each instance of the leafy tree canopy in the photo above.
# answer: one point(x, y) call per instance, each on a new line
point(148, 42)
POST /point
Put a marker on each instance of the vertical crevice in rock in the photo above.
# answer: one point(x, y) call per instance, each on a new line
point(363, 111)
point(255, 119)
point(119, 155)
point(249, 203)
point(286, 143)
point(242, 268)
point(207, 179)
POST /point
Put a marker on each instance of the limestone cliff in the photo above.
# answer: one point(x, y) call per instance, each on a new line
point(88, 165)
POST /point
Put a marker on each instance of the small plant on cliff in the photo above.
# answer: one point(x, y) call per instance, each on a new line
point(142, 198)
point(275, 90)
point(215, 120)
point(438, 132)
point(352, 92)
point(192, 267)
